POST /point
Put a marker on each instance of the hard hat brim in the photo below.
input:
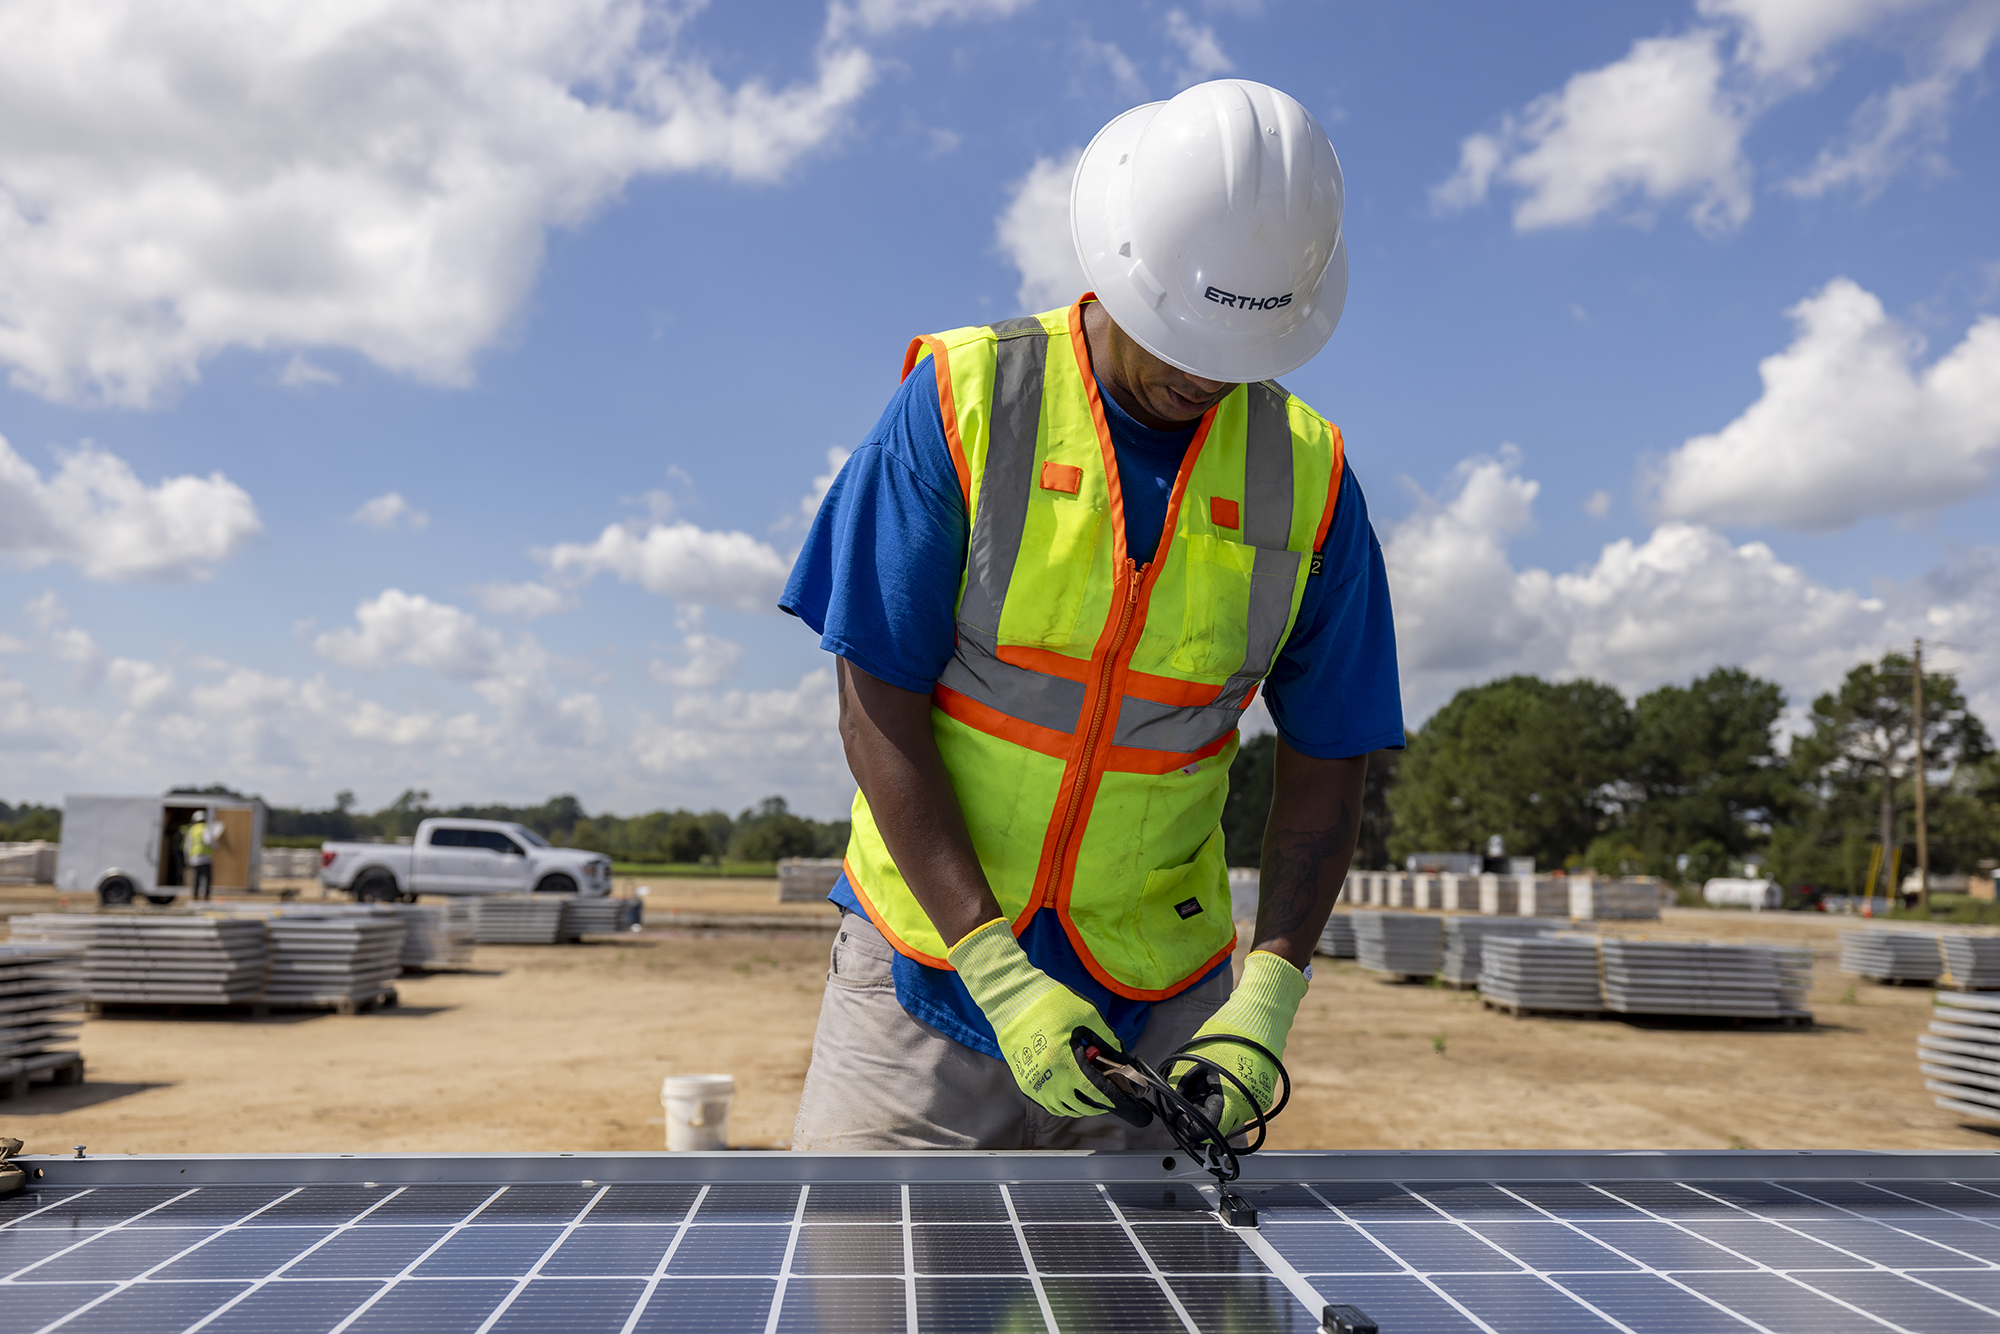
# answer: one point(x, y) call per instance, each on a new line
point(1100, 204)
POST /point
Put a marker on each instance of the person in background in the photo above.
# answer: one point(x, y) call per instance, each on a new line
point(198, 844)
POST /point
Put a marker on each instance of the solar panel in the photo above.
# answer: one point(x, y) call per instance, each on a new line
point(1000, 1242)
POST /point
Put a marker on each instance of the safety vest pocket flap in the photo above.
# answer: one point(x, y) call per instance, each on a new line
point(1213, 634)
point(1047, 591)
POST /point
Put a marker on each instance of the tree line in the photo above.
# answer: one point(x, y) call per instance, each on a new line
point(765, 832)
point(28, 823)
point(1684, 783)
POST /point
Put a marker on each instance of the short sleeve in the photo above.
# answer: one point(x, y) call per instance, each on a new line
point(879, 572)
point(1334, 690)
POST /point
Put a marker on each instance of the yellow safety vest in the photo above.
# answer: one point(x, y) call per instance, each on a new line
point(1089, 714)
point(197, 844)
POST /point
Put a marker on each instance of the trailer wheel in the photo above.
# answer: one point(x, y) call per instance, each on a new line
point(556, 884)
point(377, 887)
point(115, 890)
point(159, 900)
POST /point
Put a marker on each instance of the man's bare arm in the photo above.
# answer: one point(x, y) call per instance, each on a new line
point(887, 734)
point(1308, 844)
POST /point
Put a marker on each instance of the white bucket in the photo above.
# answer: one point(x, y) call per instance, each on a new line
point(697, 1111)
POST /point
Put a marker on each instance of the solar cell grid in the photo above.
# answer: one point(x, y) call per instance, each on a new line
point(978, 1255)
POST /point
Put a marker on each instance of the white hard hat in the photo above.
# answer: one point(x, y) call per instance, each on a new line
point(201, 815)
point(1209, 227)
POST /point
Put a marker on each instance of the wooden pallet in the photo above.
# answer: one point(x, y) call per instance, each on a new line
point(383, 999)
point(258, 1009)
point(59, 1067)
point(1522, 1012)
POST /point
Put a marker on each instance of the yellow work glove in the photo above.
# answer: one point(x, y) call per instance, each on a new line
point(1034, 1018)
point(1262, 1009)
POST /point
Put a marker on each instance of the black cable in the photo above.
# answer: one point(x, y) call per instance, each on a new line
point(1187, 1121)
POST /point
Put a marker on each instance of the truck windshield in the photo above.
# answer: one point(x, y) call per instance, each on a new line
point(530, 835)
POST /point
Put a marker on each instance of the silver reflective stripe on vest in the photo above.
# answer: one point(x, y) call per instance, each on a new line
point(1150, 725)
point(1267, 468)
point(1020, 358)
point(976, 672)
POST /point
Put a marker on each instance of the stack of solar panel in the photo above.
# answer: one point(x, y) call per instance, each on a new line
point(598, 917)
point(520, 919)
point(1463, 935)
point(1541, 972)
point(1337, 940)
point(1891, 956)
point(438, 935)
point(1698, 978)
point(324, 959)
point(1626, 899)
point(1960, 1056)
point(40, 993)
point(1972, 961)
point(1795, 970)
point(1402, 944)
point(159, 959)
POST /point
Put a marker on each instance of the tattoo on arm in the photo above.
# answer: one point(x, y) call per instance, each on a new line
point(1291, 880)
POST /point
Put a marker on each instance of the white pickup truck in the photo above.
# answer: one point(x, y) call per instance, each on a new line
point(463, 857)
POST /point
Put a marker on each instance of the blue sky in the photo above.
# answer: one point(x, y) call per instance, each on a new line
point(1671, 342)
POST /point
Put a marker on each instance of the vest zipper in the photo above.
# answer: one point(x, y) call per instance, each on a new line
point(1135, 578)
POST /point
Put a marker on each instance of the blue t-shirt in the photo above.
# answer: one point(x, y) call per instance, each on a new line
point(878, 580)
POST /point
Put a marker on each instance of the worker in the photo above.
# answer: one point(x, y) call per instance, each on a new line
point(1073, 551)
point(198, 843)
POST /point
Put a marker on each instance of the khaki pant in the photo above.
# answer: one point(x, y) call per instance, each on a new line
point(881, 1079)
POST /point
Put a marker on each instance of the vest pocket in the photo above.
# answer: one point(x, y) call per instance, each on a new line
point(1183, 912)
point(1215, 623)
point(1052, 573)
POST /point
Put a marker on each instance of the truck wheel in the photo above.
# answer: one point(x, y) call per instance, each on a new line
point(159, 900)
point(556, 884)
point(377, 887)
point(115, 890)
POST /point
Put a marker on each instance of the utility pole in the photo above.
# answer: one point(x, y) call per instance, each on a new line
point(1923, 833)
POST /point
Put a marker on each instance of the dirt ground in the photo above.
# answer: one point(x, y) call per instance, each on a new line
point(564, 1047)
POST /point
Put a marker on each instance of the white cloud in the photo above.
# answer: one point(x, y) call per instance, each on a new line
point(694, 566)
point(1786, 37)
point(1909, 120)
point(511, 735)
point(1202, 55)
point(96, 514)
point(1666, 122)
point(1033, 232)
point(141, 687)
point(388, 511)
point(1669, 607)
point(1124, 74)
point(876, 17)
point(46, 611)
point(1598, 505)
point(1653, 127)
point(302, 374)
point(711, 659)
point(395, 627)
point(1847, 425)
point(376, 177)
point(526, 600)
point(836, 459)
point(793, 730)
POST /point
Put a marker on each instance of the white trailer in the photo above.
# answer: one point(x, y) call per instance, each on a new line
point(122, 848)
point(1756, 895)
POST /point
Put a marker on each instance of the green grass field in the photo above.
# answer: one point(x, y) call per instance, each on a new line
point(697, 871)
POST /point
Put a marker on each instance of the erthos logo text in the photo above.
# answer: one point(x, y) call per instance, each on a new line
point(1222, 298)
